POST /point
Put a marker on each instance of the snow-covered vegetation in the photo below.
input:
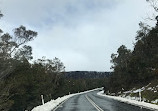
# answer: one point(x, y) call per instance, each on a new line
point(147, 93)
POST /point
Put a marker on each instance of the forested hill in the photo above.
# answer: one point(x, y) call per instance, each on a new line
point(86, 74)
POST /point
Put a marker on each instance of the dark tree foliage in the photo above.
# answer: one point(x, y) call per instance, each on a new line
point(22, 83)
point(120, 61)
point(137, 67)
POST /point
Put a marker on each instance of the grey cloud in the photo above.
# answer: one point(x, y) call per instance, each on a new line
point(82, 33)
point(41, 12)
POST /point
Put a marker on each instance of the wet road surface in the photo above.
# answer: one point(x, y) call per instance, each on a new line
point(93, 102)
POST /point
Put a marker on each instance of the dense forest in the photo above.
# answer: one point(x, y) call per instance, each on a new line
point(86, 74)
point(22, 83)
point(137, 67)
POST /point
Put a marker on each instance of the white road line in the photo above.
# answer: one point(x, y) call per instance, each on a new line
point(93, 103)
point(60, 105)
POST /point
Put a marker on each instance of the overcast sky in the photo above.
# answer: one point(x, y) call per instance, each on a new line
point(81, 33)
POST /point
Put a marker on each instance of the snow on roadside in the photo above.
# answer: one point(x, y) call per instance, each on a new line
point(53, 103)
point(139, 90)
point(129, 101)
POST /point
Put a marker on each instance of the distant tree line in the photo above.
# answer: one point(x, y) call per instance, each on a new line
point(86, 74)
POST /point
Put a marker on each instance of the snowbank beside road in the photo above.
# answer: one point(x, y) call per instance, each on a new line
point(129, 101)
point(54, 103)
point(51, 104)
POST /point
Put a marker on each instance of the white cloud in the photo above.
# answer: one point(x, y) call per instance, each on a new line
point(82, 33)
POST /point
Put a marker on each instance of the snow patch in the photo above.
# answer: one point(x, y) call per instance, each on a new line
point(139, 90)
point(155, 101)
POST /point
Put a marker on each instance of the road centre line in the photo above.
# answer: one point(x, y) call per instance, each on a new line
point(94, 104)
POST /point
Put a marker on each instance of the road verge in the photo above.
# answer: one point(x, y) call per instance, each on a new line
point(132, 102)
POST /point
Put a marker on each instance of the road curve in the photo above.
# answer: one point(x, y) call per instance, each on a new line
point(93, 102)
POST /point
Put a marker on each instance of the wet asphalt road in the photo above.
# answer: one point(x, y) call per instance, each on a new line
point(81, 103)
